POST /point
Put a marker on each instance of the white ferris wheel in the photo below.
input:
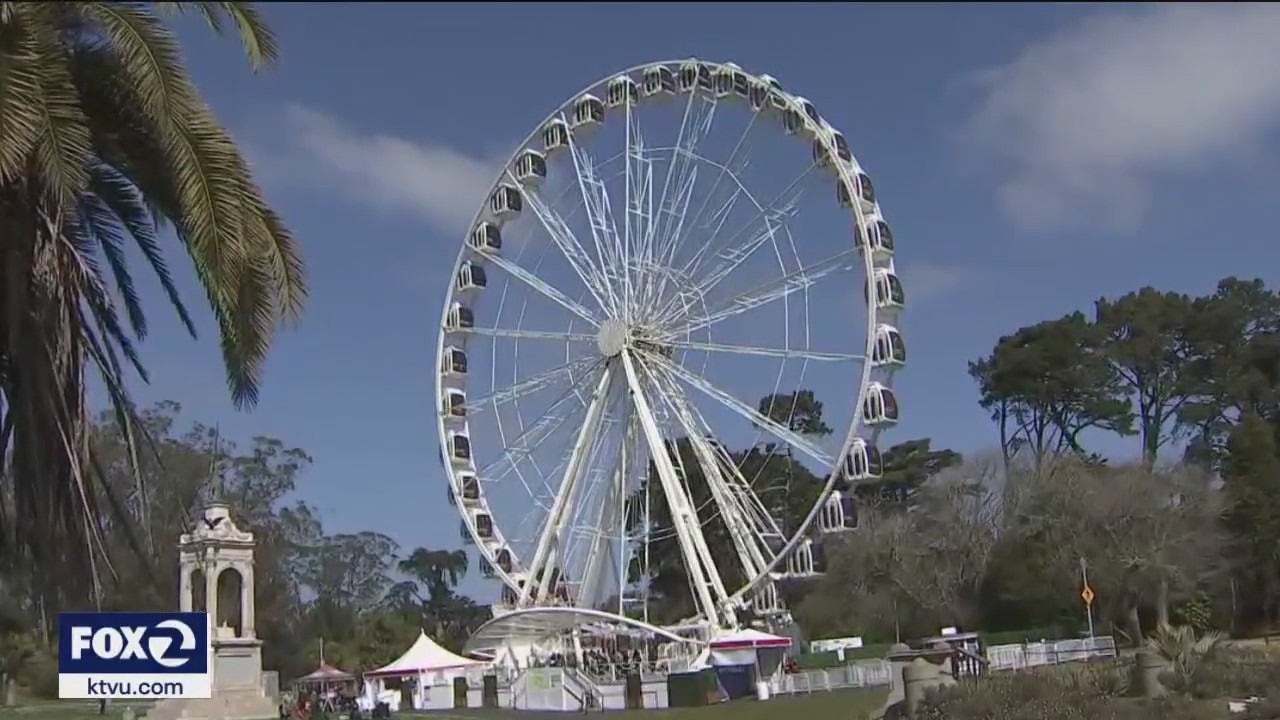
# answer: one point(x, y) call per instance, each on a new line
point(670, 245)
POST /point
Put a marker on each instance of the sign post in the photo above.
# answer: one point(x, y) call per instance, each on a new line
point(1086, 594)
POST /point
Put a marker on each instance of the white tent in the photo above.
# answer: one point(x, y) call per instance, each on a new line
point(422, 658)
point(429, 669)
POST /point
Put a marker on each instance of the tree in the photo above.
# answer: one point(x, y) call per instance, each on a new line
point(914, 571)
point(1146, 338)
point(348, 575)
point(197, 464)
point(1236, 371)
point(907, 466)
point(799, 412)
point(1048, 383)
point(103, 139)
point(431, 597)
point(1251, 514)
point(1147, 535)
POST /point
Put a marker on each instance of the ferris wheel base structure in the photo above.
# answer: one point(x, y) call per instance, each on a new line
point(645, 223)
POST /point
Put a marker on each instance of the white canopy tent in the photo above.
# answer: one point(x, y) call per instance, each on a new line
point(424, 656)
point(429, 666)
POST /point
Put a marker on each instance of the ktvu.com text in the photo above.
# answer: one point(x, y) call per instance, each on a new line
point(143, 656)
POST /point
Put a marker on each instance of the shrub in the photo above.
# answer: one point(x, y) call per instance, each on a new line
point(1232, 673)
point(1027, 696)
point(1083, 693)
point(1185, 651)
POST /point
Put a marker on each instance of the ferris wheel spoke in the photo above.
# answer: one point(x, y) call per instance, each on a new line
point(604, 234)
point(529, 385)
point(766, 351)
point(750, 503)
point(753, 416)
point(533, 435)
point(731, 167)
point(739, 247)
point(699, 113)
point(683, 171)
point(520, 334)
point(543, 288)
point(593, 276)
point(718, 470)
point(799, 279)
point(552, 536)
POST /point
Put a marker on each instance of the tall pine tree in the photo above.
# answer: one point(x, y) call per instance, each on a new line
point(1251, 517)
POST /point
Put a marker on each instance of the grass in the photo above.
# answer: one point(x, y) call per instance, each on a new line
point(70, 710)
point(835, 705)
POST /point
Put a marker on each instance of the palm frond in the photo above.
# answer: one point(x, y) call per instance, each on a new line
point(260, 44)
point(20, 92)
point(63, 149)
point(117, 192)
point(103, 140)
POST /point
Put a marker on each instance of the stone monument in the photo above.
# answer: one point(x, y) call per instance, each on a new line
point(216, 562)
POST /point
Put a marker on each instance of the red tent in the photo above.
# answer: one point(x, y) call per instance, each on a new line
point(326, 674)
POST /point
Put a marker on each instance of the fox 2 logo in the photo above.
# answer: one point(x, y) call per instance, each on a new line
point(127, 642)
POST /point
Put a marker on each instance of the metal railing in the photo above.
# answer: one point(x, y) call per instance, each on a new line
point(1050, 652)
point(864, 673)
point(870, 673)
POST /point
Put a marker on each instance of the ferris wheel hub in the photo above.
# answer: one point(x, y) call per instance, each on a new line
point(612, 338)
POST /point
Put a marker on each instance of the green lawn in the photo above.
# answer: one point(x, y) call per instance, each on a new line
point(69, 710)
point(837, 705)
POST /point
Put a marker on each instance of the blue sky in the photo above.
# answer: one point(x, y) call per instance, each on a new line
point(1031, 158)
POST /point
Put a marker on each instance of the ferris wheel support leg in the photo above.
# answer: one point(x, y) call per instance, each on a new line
point(696, 555)
point(541, 570)
point(731, 511)
point(753, 562)
point(610, 516)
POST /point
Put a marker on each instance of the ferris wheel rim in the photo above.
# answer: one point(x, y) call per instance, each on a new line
point(847, 177)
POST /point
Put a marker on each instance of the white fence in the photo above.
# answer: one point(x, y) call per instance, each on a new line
point(863, 673)
point(868, 673)
point(1049, 652)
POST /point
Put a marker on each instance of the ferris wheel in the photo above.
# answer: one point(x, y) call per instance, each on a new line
point(671, 247)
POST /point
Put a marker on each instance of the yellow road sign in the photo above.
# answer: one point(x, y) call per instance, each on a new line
point(1087, 595)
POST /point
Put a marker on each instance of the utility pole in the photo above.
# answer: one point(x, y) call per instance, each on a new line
point(1086, 594)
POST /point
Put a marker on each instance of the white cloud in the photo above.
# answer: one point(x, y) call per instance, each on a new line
point(1085, 122)
point(434, 182)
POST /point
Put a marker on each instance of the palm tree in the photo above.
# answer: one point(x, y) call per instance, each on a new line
point(105, 141)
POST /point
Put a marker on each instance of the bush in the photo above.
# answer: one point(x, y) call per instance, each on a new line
point(1232, 673)
point(1080, 693)
point(1027, 696)
point(40, 675)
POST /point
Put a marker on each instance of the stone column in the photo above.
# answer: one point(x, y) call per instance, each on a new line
point(211, 571)
point(246, 601)
point(185, 599)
